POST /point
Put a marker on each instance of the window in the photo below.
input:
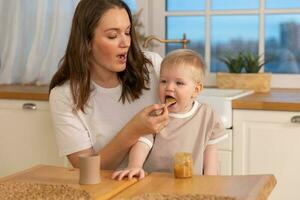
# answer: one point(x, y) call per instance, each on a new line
point(187, 26)
point(282, 43)
point(231, 34)
point(33, 38)
point(132, 5)
point(234, 4)
point(270, 28)
point(179, 5)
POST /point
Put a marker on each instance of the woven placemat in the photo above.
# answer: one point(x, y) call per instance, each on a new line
point(40, 191)
point(158, 196)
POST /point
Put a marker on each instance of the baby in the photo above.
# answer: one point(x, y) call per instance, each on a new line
point(193, 127)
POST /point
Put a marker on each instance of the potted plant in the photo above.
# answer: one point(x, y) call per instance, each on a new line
point(244, 72)
point(234, 63)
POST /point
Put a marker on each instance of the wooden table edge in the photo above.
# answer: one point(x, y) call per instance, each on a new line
point(5, 178)
point(107, 196)
point(263, 188)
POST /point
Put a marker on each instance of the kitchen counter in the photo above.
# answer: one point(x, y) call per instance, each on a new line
point(250, 187)
point(276, 99)
point(24, 92)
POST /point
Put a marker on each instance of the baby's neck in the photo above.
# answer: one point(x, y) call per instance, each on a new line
point(187, 109)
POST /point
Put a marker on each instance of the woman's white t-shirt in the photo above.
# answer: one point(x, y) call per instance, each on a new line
point(104, 116)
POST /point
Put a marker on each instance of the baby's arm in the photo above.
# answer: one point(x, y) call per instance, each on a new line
point(210, 161)
point(137, 156)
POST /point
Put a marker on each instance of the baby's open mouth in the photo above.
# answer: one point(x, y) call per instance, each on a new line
point(169, 101)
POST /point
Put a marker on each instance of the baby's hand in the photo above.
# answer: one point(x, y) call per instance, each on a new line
point(130, 173)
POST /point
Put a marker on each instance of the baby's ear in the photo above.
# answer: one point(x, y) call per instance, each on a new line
point(198, 89)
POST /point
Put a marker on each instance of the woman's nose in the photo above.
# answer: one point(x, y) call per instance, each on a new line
point(125, 41)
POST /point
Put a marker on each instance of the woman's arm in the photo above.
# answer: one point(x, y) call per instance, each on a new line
point(141, 124)
point(210, 161)
point(112, 154)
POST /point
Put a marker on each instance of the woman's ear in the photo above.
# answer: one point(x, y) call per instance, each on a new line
point(198, 89)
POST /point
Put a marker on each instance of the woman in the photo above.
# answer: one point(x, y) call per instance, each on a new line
point(98, 94)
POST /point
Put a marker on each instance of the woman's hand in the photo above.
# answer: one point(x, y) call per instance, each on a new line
point(130, 173)
point(145, 122)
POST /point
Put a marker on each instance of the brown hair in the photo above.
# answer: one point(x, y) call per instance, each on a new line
point(74, 66)
point(186, 57)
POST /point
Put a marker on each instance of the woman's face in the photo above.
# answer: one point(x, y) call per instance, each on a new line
point(178, 82)
point(110, 45)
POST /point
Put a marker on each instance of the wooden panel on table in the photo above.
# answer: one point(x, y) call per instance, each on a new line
point(241, 187)
point(61, 175)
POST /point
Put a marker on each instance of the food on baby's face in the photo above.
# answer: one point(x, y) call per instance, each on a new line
point(170, 101)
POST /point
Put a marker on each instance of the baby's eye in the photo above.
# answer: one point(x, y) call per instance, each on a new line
point(179, 83)
point(163, 81)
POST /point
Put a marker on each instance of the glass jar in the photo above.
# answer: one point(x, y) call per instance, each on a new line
point(183, 165)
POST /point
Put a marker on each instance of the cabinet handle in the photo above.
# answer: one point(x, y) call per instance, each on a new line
point(29, 106)
point(296, 119)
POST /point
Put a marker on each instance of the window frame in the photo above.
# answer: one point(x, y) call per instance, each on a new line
point(154, 20)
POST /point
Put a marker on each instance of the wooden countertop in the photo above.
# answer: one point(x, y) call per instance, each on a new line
point(250, 187)
point(276, 99)
point(24, 92)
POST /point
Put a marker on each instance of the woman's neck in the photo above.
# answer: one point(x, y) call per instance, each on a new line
point(107, 81)
point(104, 78)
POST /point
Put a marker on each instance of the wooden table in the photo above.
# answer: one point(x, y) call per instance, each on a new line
point(250, 187)
point(106, 189)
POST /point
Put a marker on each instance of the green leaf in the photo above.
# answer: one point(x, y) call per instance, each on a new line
point(250, 61)
point(234, 63)
point(253, 62)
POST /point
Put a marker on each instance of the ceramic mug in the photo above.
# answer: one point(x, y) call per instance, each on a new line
point(89, 169)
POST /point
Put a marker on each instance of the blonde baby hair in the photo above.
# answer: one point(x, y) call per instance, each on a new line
point(187, 58)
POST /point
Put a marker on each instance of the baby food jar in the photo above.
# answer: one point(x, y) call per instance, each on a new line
point(183, 165)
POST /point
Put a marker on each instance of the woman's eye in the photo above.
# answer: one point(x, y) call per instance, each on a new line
point(127, 33)
point(112, 36)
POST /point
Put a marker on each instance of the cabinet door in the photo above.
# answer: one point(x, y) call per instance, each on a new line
point(27, 137)
point(266, 142)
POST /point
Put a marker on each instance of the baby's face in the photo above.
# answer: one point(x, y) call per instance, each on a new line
point(178, 82)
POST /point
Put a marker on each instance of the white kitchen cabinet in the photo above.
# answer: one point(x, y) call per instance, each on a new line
point(267, 142)
point(26, 136)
